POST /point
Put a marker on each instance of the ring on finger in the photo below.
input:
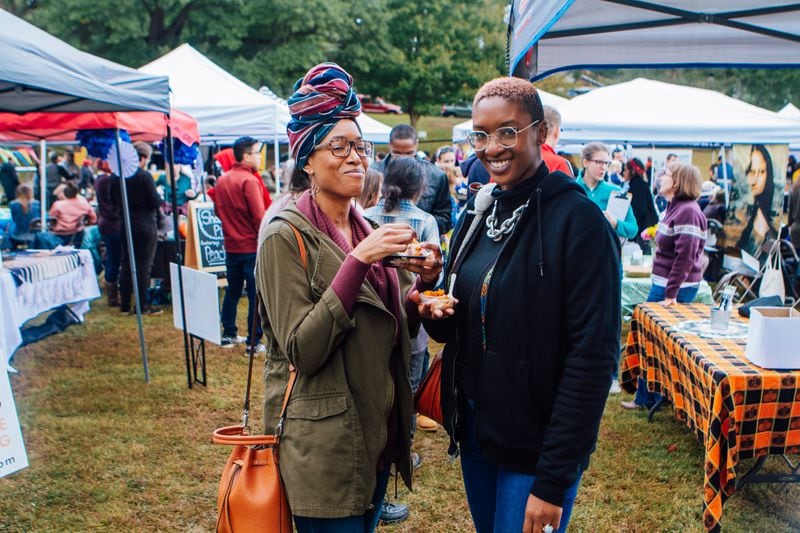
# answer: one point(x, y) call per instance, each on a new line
point(548, 529)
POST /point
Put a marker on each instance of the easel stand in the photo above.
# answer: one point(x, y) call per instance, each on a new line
point(198, 349)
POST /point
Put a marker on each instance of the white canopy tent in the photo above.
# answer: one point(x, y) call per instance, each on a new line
point(647, 112)
point(225, 107)
point(461, 130)
point(790, 111)
point(548, 36)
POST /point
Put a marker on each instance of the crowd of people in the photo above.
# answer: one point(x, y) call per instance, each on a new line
point(518, 236)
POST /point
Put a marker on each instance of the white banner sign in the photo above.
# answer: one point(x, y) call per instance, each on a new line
point(12, 448)
point(202, 302)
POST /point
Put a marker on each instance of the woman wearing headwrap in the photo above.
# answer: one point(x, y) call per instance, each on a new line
point(343, 322)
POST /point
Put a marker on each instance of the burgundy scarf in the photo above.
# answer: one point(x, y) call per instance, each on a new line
point(383, 280)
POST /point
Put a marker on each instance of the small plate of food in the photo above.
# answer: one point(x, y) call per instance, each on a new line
point(414, 250)
point(438, 299)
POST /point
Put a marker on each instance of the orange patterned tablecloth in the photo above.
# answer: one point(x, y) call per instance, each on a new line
point(738, 410)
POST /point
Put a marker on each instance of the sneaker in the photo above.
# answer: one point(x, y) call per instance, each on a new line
point(426, 424)
point(260, 348)
point(416, 460)
point(393, 513)
point(230, 342)
point(631, 405)
point(153, 311)
point(615, 388)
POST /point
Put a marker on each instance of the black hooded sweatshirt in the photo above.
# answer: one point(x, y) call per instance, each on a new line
point(552, 336)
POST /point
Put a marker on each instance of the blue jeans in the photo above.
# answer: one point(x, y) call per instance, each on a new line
point(72, 239)
point(657, 294)
point(113, 244)
point(241, 272)
point(365, 523)
point(497, 497)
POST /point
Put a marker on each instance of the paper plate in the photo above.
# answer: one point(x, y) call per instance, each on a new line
point(702, 328)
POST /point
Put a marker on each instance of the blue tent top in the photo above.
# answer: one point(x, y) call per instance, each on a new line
point(40, 73)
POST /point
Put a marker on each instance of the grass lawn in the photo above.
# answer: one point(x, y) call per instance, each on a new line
point(111, 453)
point(437, 128)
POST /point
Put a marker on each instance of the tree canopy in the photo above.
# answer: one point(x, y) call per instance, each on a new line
point(419, 54)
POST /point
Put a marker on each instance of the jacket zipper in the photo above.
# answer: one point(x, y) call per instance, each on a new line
point(486, 324)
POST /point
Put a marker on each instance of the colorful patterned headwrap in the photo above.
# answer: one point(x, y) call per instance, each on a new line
point(321, 99)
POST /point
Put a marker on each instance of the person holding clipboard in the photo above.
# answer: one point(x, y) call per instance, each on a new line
point(608, 197)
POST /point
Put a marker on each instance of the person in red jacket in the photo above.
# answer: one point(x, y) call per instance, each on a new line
point(552, 118)
point(239, 204)
point(226, 160)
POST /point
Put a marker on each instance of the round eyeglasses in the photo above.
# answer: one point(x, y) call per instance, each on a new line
point(343, 147)
point(505, 137)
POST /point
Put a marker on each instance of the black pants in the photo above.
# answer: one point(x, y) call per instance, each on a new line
point(145, 238)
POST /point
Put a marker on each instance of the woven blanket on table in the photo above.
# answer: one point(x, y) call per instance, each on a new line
point(38, 266)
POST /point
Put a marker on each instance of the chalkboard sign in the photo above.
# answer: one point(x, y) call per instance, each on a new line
point(205, 244)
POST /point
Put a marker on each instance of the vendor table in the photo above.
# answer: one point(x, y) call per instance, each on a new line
point(36, 281)
point(736, 409)
point(636, 290)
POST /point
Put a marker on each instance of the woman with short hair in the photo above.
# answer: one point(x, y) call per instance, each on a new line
point(534, 339)
point(595, 163)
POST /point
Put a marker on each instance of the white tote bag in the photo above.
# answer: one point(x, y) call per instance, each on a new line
point(772, 281)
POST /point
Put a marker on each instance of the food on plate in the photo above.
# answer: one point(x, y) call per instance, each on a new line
point(438, 299)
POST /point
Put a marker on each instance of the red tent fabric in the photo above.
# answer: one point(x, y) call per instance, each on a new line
point(146, 126)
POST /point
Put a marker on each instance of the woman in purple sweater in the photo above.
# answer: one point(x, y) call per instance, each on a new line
point(677, 265)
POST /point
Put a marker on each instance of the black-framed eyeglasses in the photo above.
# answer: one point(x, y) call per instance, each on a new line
point(505, 137)
point(342, 147)
point(600, 162)
point(258, 152)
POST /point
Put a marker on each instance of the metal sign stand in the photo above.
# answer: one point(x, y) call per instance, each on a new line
point(198, 346)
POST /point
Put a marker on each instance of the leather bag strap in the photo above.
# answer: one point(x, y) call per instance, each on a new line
point(301, 246)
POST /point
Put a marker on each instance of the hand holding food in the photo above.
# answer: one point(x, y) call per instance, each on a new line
point(389, 239)
point(428, 264)
point(434, 305)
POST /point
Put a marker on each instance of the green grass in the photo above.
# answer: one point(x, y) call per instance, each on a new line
point(438, 129)
point(109, 452)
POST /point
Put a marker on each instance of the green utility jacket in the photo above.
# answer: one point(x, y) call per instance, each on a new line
point(336, 423)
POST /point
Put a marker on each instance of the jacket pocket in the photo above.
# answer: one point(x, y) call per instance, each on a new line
point(319, 461)
point(507, 417)
point(316, 407)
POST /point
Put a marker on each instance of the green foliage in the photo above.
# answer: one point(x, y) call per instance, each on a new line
point(422, 54)
point(418, 54)
point(768, 88)
point(433, 52)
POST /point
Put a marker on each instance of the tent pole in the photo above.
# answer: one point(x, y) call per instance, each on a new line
point(43, 183)
point(126, 213)
point(178, 259)
point(276, 145)
point(725, 176)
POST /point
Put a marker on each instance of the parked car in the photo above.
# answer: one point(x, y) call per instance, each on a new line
point(376, 104)
point(457, 110)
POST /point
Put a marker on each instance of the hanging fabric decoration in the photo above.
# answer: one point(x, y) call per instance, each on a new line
point(183, 154)
point(128, 157)
point(98, 142)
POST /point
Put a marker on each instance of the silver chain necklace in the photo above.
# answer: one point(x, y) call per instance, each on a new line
point(507, 226)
